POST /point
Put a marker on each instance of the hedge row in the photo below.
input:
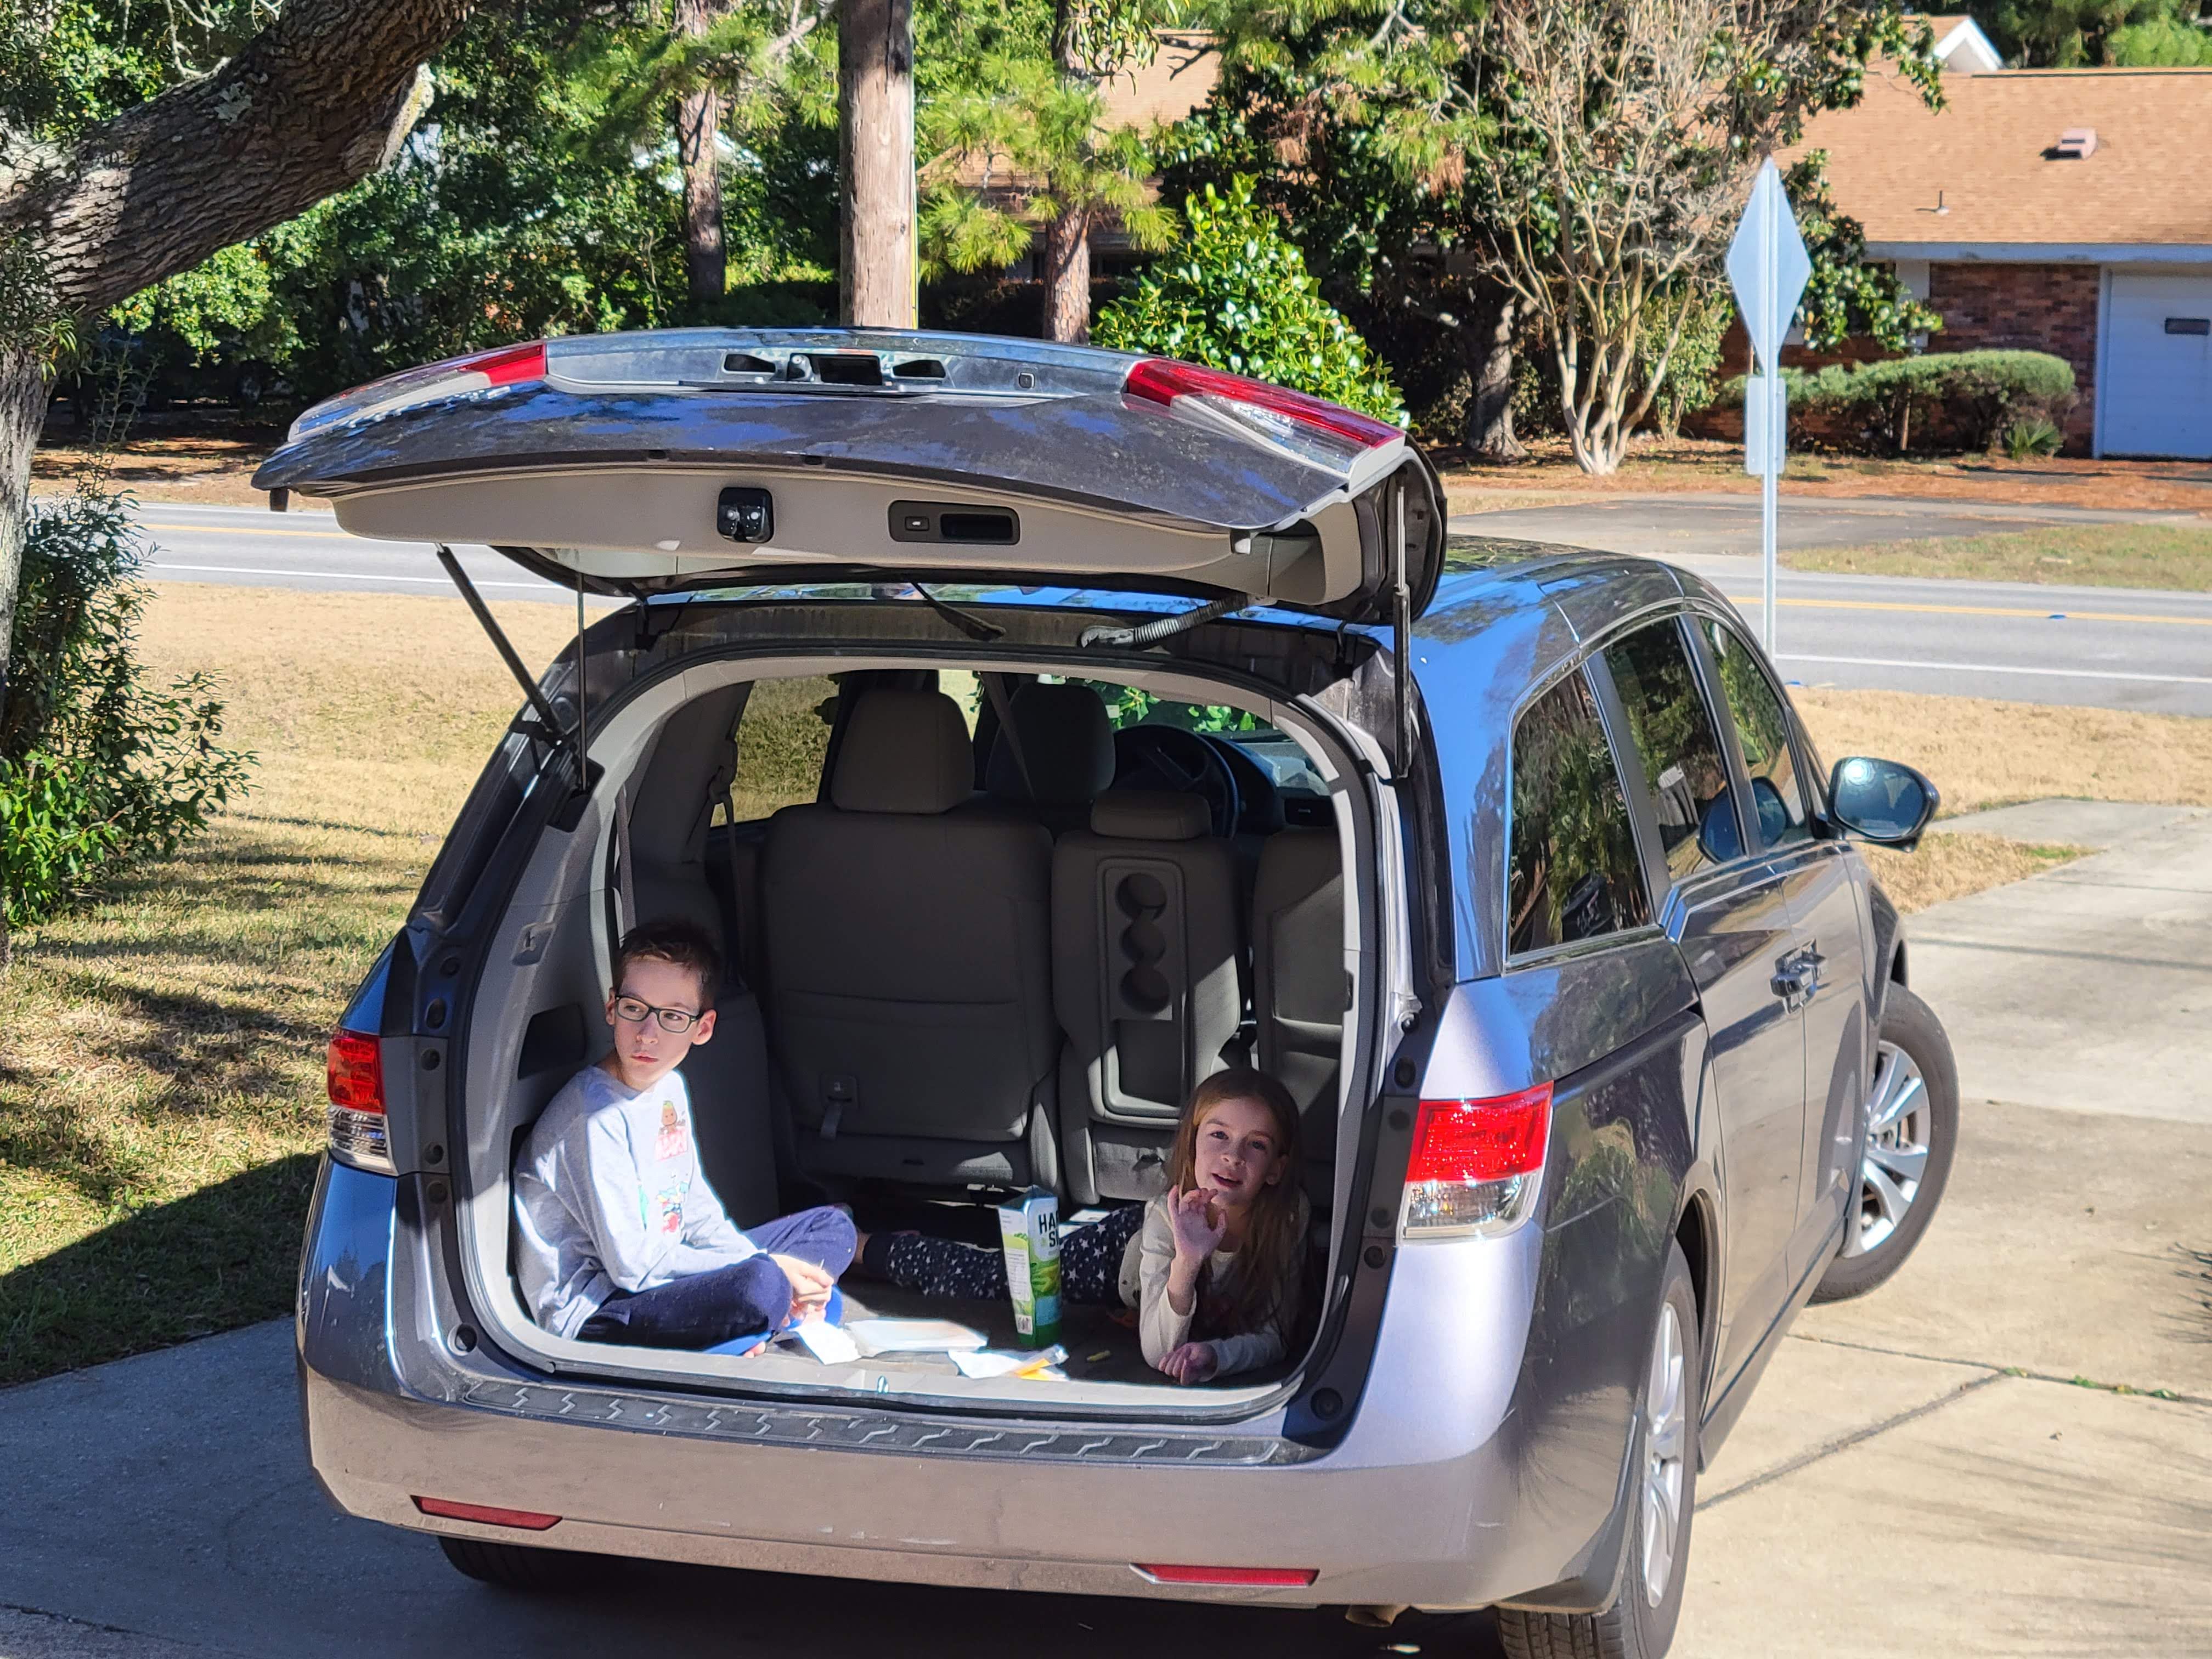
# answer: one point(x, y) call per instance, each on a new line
point(1964, 400)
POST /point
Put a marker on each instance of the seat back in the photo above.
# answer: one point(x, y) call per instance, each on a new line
point(908, 963)
point(1058, 757)
point(1146, 950)
point(1298, 983)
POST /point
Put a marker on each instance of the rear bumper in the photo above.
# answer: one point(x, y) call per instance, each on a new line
point(1448, 1490)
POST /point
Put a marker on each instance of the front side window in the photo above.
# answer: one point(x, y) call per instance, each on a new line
point(1763, 731)
point(1573, 872)
point(1673, 734)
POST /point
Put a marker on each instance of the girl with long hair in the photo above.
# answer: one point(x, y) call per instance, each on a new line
point(1212, 1266)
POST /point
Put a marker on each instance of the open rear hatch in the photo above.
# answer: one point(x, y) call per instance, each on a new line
point(645, 462)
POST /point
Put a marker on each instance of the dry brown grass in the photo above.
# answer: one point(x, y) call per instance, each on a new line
point(1951, 866)
point(1983, 753)
point(160, 1052)
point(2177, 556)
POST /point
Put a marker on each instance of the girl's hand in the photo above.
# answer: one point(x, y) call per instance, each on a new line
point(1194, 1362)
point(1199, 1226)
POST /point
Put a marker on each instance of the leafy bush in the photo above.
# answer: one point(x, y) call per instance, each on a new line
point(1236, 295)
point(1969, 397)
point(2036, 435)
point(98, 769)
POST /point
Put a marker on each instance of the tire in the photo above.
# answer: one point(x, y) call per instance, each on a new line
point(1640, 1623)
point(518, 1567)
point(1921, 1133)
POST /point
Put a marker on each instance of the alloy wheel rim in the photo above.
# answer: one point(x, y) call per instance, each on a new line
point(1895, 1159)
point(1665, 1442)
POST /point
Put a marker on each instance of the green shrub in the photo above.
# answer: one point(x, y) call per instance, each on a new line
point(1968, 398)
point(2037, 435)
point(98, 769)
point(1236, 294)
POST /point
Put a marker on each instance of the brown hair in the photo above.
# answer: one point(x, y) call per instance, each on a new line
point(677, 941)
point(1264, 1290)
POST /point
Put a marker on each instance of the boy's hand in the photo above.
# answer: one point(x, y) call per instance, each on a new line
point(810, 1287)
point(1194, 1362)
point(1199, 1226)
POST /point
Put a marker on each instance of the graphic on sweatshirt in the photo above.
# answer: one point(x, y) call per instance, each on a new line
point(673, 1141)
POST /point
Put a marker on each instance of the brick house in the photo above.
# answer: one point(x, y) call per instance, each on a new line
point(2059, 211)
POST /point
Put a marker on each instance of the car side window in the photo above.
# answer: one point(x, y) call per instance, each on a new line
point(1573, 872)
point(1673, 734)
point(1763, 731)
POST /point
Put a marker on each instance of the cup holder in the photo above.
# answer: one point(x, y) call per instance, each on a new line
point(1142, 943)
point(1141, 895)
point(1145, 989)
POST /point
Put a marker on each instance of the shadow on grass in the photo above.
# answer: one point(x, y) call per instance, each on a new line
point(227, 1255)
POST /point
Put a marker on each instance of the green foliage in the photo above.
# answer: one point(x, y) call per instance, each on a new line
point(2035, 434)
point(1972, 396)
point(98, 769)
point(2168, 42)
point(1689, 383)
point(1127, 705)
point(1236, 295)
point(2065, 33)
point(1846, 298)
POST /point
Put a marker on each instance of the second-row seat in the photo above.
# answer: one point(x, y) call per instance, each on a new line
point(909, 962)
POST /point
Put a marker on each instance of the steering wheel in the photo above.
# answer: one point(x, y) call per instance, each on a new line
point(1182, 763)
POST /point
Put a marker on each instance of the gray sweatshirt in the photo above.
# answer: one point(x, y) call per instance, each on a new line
point(609, 1196)
point(1145, 1267)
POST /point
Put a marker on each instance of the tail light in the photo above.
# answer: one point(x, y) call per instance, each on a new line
point(1269, 1577)
point(454, 377)
point(487, 1515)
point(356, 1087)
point(1320, 434)
point(1476, 1163)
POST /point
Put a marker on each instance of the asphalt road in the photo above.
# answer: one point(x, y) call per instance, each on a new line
point(2099, 647)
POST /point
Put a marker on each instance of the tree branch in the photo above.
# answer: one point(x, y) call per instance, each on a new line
point(322, 98)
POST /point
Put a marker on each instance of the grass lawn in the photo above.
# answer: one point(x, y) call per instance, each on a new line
point(2177, 556)
point(160, 1052)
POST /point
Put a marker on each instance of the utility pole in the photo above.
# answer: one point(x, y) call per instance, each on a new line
point(875, 110)
point(698, 124)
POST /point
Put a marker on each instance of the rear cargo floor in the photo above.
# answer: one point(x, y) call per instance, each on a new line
point(1100, 1349)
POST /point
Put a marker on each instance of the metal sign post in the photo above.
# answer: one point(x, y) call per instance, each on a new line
point(1767, 267)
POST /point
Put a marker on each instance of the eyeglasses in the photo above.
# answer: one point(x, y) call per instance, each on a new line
point(675, 1021)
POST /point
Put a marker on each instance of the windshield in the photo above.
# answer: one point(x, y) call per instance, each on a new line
point(1274, 752)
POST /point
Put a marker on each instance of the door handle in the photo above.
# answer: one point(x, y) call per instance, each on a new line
point(1797, 977)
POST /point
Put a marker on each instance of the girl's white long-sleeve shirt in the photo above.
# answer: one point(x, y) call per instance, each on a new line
point(609, 1196)
point(1145, 1267)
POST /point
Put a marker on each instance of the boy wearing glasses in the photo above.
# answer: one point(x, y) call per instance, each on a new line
point(620, 1237)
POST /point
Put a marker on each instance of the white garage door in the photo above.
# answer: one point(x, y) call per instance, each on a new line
point(2157, 394)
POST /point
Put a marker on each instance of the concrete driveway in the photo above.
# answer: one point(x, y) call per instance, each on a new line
point(1974, 1460)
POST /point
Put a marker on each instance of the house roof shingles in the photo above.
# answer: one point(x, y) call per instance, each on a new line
point(1985, 154)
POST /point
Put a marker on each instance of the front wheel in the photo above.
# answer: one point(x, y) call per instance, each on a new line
point(1904, 1159)
point(1640, 1624)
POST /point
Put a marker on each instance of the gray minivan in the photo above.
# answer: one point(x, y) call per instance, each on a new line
point(1040, 729)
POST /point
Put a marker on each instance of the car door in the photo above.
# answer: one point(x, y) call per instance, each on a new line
point(1728, 911)
point(1825, 887)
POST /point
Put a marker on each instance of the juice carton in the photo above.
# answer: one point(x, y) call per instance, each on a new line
point(1029, 1231)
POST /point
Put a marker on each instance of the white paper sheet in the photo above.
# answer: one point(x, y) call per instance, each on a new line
point(878, 1336)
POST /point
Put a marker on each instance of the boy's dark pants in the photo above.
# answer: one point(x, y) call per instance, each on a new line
point(753, 1295)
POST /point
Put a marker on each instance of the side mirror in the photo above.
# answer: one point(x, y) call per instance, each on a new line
point(1881, 801)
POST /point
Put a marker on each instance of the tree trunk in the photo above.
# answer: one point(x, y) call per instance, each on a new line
point(875, 107)
point(322, 98)
point(22, 411)
point(698, 125)
point(1067, 279)
point(1490, 404)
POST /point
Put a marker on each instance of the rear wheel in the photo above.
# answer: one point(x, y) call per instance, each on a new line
point(1911, 1129)
point(515, 1567)
point(1640, 1624)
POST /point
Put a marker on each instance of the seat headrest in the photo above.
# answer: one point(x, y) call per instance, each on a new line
point(1150, 815)
point(904, 751)
point(1066, 744)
